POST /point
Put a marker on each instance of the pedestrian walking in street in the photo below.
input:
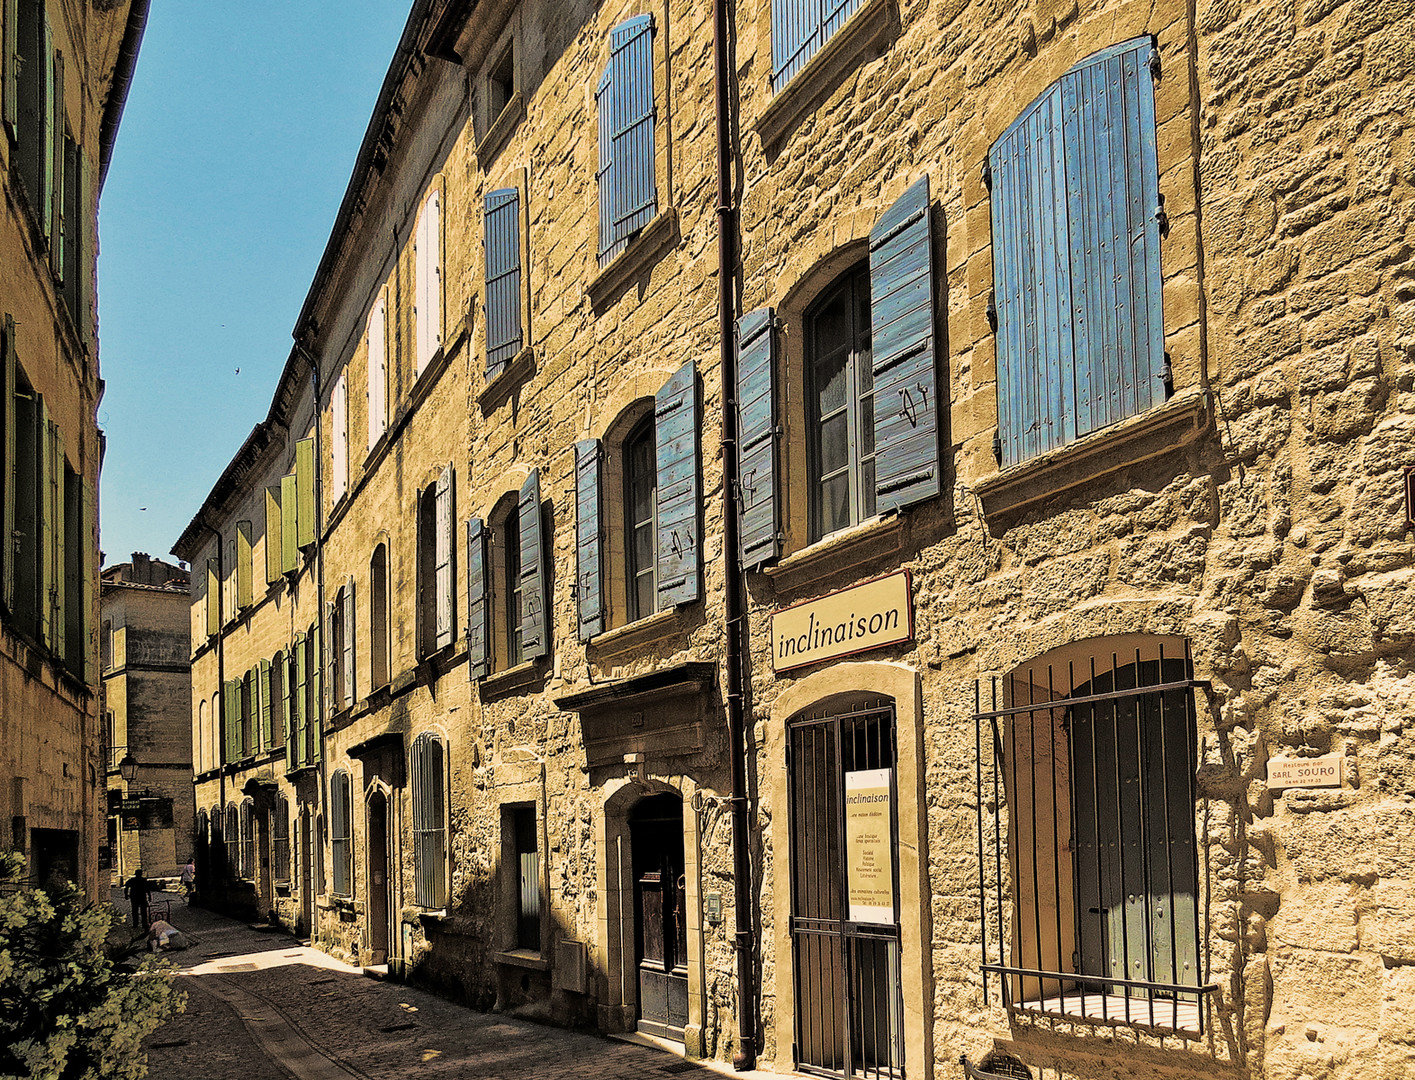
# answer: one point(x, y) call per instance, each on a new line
point(189, 880)
point(137, 890)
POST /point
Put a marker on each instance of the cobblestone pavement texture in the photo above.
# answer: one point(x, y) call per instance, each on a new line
point(261, 1006)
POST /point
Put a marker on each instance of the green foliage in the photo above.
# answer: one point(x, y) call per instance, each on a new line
point(65, 1012)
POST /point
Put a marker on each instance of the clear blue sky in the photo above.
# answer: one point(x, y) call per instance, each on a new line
point(236, 145)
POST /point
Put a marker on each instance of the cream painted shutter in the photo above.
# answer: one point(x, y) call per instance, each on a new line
point(442, 573)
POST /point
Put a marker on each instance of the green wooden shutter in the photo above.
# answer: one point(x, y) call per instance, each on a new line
point(89, 570)
point(75, 594)
point(304, 493)
point(477, 622)
point(676, 432)
point(245, 568)
point(758, 438)
point(45, 456)
point(287, 712)
point(535, 596)
point(589, 547)
point(267, 703)
point(273, 543)
point(316, 717)
point(45, 195)
point(56, 167)
point(300, 712)
point(213, 598)
point(58, 614)
point(350, 683)
point(7, 357)
point(906, 424)
point(443, 541)
point(231, 719)
point(289, 532)
point(11, 59)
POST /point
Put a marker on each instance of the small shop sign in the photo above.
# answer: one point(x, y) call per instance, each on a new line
point(869, 845)
point(1312, 772)
point(855, 620)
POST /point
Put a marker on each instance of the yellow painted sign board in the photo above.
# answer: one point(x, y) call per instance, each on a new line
point(869, 845)
point(868, 616)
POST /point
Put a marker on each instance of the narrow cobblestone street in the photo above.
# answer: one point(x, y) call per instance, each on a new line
point(261, 1006)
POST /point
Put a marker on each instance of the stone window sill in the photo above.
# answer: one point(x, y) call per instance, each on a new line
point(645, 631)
point(413, 916)
point(497, 135)
point(516, 373)
point(869, 541)
point(647, 246)
point(513, 678)
point(863, 38)
point(1177, 423)
point(523, 958)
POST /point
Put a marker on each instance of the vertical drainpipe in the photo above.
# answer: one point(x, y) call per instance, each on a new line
point(735, 614)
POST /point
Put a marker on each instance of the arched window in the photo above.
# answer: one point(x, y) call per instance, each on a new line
point(280, 839)
point(436, 615)
point(640, 520)
point(341, 841)
point(428, 770)
point(231, 836)
point(1096, 751)
point(840, 405)
point(378, 621)
point(203, 748)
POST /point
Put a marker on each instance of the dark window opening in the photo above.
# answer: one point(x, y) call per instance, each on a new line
point(378, 628)
point(641, 521)
point(501, 84)
point(527, 852)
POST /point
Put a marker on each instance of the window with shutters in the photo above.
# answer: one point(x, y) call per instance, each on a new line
point(339, 438)
point(1074, 189)
point(275, 700)
point(378, 369)
point(508, 584)
point(378, 617)
point(852, 373)
point(280, 840)
point(508, 541)
point(247, 848)
point(38, 121)
point(435, 614)
point(427, 282)
point(343, 687)
point(427, 769)
point(341, 837)
point(1087, 801)
point(313, 702)
point(504, 295)
point(499, 106)
point(624, 99)
point(798, 30)
point(248, 703)
point(245, 565)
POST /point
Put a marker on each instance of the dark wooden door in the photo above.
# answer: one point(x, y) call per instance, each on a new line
point(378, 879)
point(660, 915)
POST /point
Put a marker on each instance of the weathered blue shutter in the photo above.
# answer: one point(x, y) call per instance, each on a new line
point(628, 197)
point(758, 437)
point(502, 217)
point(535, 636)
point(477, 664)
point(908, 467)
point(589, 550)
point(442, 549)
point(798, 29)
point(676, 425)
point(1075, 189)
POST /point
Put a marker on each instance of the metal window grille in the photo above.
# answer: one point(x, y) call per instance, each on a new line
point(247, 840)
point(428, 771)
point(341, 843)
point(798, 29)
point(849, 1004)
point(280, 839)
point(1087, 853)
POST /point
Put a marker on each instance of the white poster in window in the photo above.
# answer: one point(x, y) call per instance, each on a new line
point(869, 845)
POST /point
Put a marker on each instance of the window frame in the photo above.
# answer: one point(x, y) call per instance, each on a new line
point(341, 834)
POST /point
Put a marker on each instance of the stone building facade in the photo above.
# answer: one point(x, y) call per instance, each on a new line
point(145, 657)
point(1074, 378)
point(66, 70)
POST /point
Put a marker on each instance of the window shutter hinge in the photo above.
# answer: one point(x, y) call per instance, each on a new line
point(1163, 219)
point(997, 447)
point(1167, 375)
point(987, 173)
point(1154, 62)
point(992, 311)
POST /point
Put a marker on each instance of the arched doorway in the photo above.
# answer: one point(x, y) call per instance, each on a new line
point(660, 914)
point(378, 877)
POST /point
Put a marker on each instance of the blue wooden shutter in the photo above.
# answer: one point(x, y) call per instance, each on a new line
point(676, 425)
point(535, 635)
point(758, 438)
point(477, 664)
point(502, 219)
point(589, 549)
point(798, 29)
point(908, 466)
point(628, 197)
point(1075, 187)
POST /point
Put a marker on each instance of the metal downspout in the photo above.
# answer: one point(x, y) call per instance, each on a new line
point(122, 82)
point(735, 615)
